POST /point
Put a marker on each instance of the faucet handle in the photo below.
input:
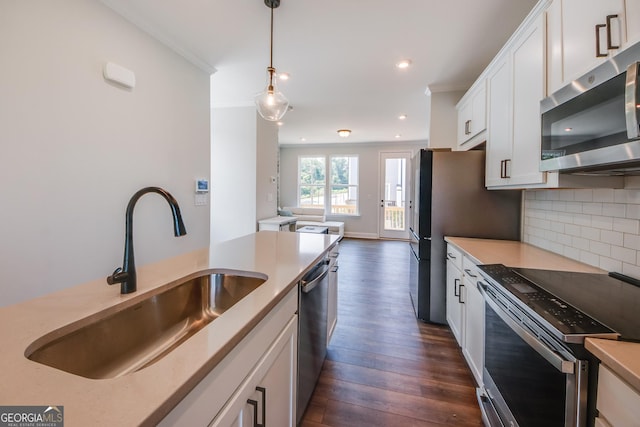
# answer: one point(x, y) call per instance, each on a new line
point(118, 276)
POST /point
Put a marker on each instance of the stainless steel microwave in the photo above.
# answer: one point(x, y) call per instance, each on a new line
point(591, 125)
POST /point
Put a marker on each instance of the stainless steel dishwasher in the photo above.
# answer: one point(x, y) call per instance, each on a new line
point(312, 330)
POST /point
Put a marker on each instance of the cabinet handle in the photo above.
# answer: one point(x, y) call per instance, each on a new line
point(467, 127)
point(450, 255)
point(460, 293)
point(466, 270)
point(609, 44)
point(254, 403)
point(456, 292)
point(335, 269)
point(506, 170)
point(598, 53)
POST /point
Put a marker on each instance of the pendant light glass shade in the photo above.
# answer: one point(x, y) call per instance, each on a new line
point(271, 103)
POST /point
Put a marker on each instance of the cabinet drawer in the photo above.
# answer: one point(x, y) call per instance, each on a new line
point(455, 256)
point(470, 270)
point(617, 402)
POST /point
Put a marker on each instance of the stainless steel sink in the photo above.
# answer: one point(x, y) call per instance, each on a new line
point(139, 335)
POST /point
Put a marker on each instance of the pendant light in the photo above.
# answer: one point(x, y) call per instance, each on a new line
point(271, 103)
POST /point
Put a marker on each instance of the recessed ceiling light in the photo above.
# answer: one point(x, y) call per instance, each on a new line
point(398, 135)
point(303, 139)
point(344, 132)
point(568, 129)
point(405, 63)
point(283, 76)
point(402, 117)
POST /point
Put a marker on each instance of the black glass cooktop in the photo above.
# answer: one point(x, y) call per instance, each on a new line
point(574, 303)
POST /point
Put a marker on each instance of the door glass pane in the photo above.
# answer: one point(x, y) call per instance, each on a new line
point(394, 191)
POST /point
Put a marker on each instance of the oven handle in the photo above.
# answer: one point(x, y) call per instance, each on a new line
point(631, 102)
point(558, 362)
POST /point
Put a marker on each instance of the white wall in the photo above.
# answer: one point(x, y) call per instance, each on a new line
point(75, 148)
point(443, 119)
point(600, 227)
point(366, 224)
point(233, 172)
point(266, 168)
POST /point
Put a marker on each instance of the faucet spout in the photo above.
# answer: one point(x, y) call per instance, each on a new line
point(126, 275)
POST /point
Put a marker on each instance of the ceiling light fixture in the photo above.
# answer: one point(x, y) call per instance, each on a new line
point(284, 76)
point(271, 103)
point(402, 117)
point(344, 132)
point(405, 63)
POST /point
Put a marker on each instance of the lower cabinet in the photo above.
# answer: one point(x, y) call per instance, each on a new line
point(465, 309)
point(262, 368)
point(617, 402)
point(332, 304)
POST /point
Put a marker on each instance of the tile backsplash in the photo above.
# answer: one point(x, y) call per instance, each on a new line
point(600, 227)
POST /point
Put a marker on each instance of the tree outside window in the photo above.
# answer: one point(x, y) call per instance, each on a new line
point(342, 186)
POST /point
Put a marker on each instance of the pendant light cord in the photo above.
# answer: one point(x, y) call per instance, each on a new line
point(271, 46)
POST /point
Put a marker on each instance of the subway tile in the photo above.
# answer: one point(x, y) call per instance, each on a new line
point(602, 222)
point(583, 195)
point(610, 264)
point(589, 258)
point(571, 252)
point(572, 230)
point(631, 270)
point(559, 205)
point(600, 248)
point(565, 217)
point(618, 210)
point(592, 208)
point(612, 237)
point(623, 254)
point(633, 211)
point(590, 233)
point(557, 227)
point(633, 196)
point(581, 219)
point(626, 225)
point(566, 195)
point(565, 239)
point(631, 241)
point(604, 195)
point(530, 195)
point(581, 243)
point(620, 196)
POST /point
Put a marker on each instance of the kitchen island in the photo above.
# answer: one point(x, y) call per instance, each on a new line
point(144, 397)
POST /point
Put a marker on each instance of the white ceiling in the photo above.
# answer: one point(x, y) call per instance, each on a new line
point(341, 55)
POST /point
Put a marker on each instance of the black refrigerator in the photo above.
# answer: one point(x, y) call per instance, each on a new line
point(449, 199)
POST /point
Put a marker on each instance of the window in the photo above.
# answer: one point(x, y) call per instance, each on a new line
point(341, 187)
point(312, 182)
point(344, 185)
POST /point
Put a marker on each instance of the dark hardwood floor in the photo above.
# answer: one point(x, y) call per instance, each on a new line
point(384, 367)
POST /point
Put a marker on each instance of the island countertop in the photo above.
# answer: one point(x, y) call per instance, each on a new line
point(145, 396)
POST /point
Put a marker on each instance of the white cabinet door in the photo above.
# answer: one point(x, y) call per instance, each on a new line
point(473, 349)
point(528, 58)
point(584, 34)
point(472, 115)
point(633, 21)
point(454, 305)
point(270, 390)
point(499, 143)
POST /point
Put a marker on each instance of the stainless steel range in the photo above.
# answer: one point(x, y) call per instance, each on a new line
point(537, 371)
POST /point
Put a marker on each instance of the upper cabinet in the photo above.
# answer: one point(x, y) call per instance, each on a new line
point(583, 34)
point(472, 116)
point(515, 87)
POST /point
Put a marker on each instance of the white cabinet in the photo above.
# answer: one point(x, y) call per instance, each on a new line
point(473, 349)
point(453, 298)
point(268, 394)
point(332, 304)
point(617, 402)
point(267, 358)
point(515, 83)
point(584, 33)
point(465, 309)
point(472, 115)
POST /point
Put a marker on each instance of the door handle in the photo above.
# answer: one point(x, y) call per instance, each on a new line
point(631, 101)
point(460, 293)
point(609, 44)
point(598, 53)
point(254, 404)
point(456, 292)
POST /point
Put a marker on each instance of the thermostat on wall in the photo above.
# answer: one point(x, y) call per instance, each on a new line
point(202, 186)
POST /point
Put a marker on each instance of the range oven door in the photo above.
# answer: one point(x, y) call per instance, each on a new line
point(530, 380)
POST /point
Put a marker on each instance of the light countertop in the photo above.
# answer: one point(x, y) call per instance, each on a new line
point(144, 397)
point(622, 357)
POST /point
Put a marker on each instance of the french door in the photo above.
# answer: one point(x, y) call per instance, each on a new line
point(393, 220)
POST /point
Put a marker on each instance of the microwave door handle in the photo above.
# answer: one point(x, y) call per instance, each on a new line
point(631, 104)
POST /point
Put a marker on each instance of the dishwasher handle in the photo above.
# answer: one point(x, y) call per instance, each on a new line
point(307, 286)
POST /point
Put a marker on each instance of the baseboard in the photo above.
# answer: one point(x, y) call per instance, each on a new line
point(361, 235)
